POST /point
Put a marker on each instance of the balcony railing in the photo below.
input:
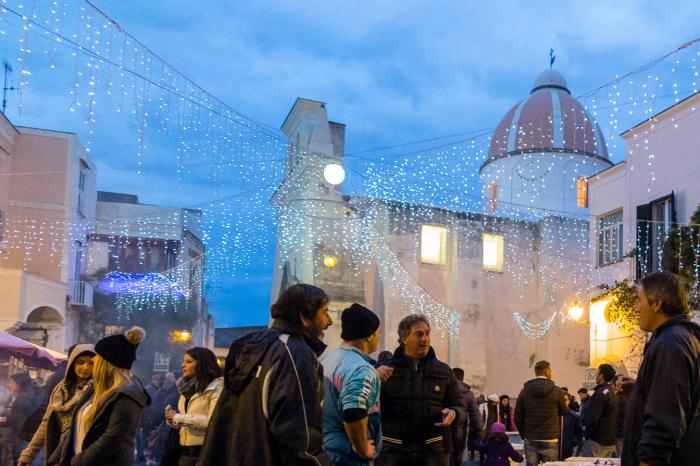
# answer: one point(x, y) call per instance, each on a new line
point(82, 293)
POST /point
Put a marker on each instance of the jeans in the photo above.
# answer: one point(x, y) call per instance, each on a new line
point(411, 457)
point(592, 449)
point(537, 451)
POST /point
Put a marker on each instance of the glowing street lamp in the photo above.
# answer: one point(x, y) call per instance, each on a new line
point(330, 261)
point(181, 336)
point(334, 174)
point(575, 311)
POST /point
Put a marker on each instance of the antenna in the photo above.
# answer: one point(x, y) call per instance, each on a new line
point(8, 70)
point(552, 57)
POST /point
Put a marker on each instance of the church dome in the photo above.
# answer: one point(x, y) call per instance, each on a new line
point(549, 120)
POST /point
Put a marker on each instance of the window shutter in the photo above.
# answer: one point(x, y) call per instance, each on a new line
point(643, 239)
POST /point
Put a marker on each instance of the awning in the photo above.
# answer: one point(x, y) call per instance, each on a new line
point(32, 355)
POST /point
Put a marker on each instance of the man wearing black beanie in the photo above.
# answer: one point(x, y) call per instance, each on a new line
point(351, 418)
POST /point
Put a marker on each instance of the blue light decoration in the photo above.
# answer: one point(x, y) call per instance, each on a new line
point(154, 284)
point(138, 292)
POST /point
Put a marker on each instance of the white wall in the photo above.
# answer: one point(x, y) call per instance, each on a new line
point(539, 180)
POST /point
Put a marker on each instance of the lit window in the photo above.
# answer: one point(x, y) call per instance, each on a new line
point(492, 196)
point(493, 252)
point(433, 244)
point(112, 329)
point(610, 239)
point(581, 192)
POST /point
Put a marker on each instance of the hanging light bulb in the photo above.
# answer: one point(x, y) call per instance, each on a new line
point(334, 173)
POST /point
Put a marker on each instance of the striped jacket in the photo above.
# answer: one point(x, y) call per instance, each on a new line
point(350, 382)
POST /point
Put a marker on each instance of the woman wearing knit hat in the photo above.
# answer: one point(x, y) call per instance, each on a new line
point(107, 417)
point(63, 398)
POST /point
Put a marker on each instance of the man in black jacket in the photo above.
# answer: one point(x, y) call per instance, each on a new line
point(269, 412)
point(537, 412)
point(601, 421)
point(419, 401)
point(662, 426)
point(470, 427)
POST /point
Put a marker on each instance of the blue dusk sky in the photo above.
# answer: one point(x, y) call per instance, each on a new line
point(392, 71)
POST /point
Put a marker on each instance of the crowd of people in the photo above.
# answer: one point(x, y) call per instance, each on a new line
point(281, 399)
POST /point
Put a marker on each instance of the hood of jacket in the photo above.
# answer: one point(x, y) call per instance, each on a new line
point(244, 357)
point(316, 345)
point(135, 391)
point(539, 387)
point(682, 321)
point(78, 351)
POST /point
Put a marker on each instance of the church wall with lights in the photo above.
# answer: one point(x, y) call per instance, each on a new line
point(494, 283)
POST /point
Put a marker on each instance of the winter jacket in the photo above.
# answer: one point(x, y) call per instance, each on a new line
point(193, 417)
point(583, 412)
point(350, 383)
point(623, 400)
point(472, 424)
point(109, 440)
point(538, 408)
point(412, 401)
point(152, 417)
point(31, 423)
point(269, 412)
point(475, 424)
point(23, 405)
point(662, 426)
point(498, 450)
point(601, 420)
point(572, 434)
point(58, 413)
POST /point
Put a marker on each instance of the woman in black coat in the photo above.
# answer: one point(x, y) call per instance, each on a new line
point(106, 419)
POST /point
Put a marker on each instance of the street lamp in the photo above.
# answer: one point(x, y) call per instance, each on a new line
point(181, 336)
point(334, 174)
point(575, 311)
point(330, 261)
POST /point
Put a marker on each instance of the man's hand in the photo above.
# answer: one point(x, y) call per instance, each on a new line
point(448, 417)
point(370, 451)
point(385, 372)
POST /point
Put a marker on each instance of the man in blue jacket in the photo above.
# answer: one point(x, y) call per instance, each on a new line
point(662, 425)
point(352, 424)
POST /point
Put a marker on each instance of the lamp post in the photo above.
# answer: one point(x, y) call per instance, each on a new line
point(181, 336)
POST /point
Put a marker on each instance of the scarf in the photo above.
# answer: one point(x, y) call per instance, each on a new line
point(63, 400)
point(187, 387)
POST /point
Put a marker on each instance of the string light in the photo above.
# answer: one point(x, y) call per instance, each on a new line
point(393, 193)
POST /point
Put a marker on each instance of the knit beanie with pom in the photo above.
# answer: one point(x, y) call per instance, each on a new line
point(120, 349)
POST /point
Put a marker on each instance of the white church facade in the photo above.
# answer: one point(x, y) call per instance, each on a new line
point(495, 283)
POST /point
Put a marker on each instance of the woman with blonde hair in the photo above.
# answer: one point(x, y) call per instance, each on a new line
point(63, 398)
point(107, 417)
